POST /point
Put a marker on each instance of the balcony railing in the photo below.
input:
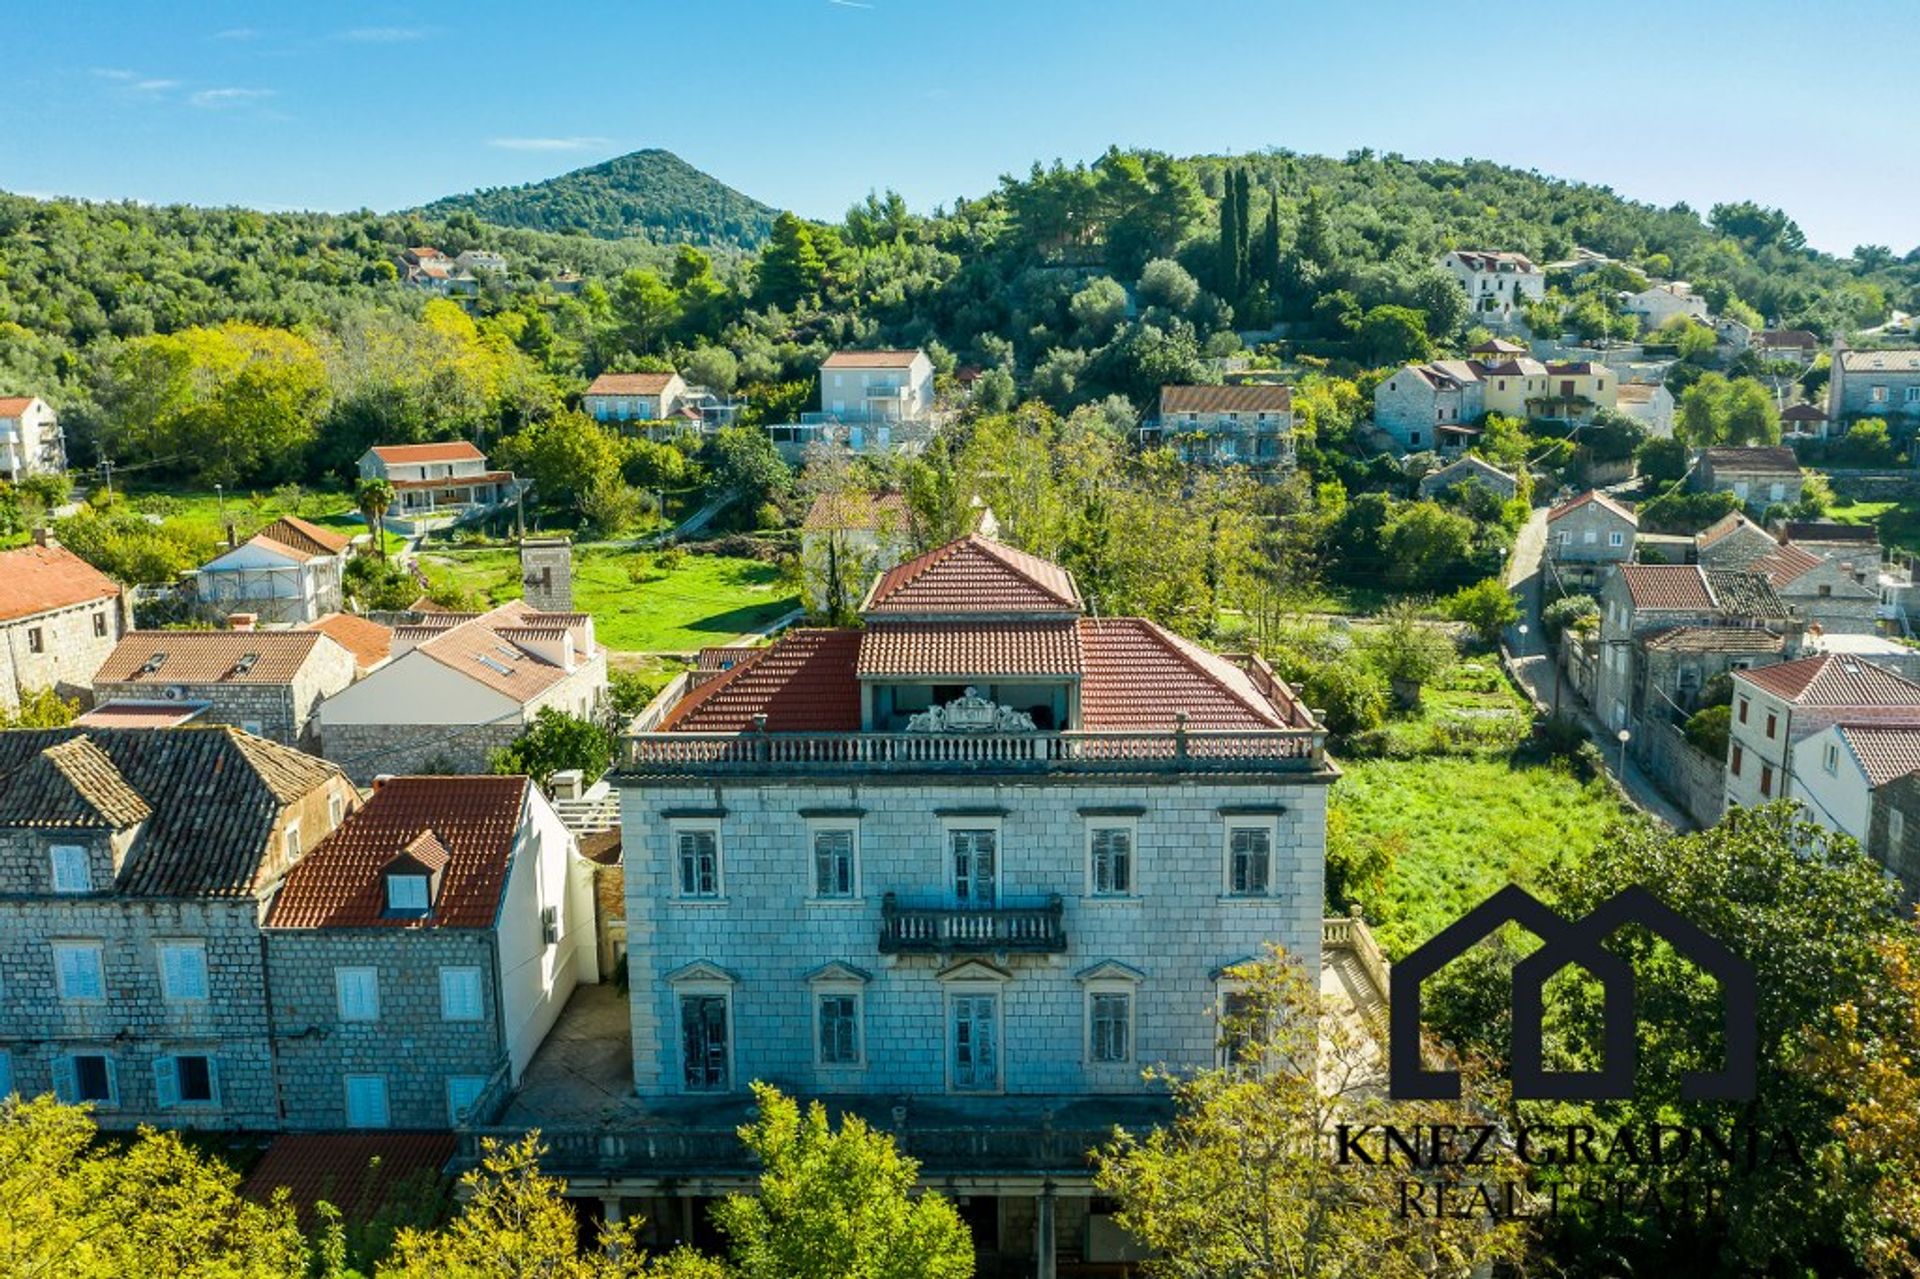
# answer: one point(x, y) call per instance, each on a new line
point(957, 930)
point(1168, 751)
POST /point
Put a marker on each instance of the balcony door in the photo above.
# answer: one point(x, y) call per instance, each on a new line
point(975, 886)
point(703, 1033)
point(976, 1042)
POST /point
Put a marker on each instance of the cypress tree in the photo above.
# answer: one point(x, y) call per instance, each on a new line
point(1227, 265)
point(1270, 246)
point(1243, 231)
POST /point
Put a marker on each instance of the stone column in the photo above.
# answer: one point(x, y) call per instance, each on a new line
point(1044, 1251)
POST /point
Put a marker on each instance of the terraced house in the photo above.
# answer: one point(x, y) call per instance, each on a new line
point(1246, 425)
point(966, 871)
point(135, 866)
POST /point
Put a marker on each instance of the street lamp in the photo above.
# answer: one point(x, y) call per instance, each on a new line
point(1624, 735)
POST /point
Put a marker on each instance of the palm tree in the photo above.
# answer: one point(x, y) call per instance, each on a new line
point(375, 498)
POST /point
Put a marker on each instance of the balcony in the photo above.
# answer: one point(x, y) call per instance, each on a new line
point(1272, 750)
point(950, 930)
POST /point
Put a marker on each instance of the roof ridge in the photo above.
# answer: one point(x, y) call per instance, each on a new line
point(1001, 552)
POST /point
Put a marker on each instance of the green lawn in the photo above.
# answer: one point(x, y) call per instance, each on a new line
point(706, 599)
point(209, 512)
point(1457, 829)
point(1899, 522)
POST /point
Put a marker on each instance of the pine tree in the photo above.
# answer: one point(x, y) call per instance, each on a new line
point(791, 268)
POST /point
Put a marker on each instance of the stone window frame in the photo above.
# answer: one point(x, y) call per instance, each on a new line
point(291, 841)
point(1226, 987)
point(54, 852)
point(336, 809)
point(1096, 823)
point(340, 971)
point(166, 1082)
point(99, 624)
point(703, 980)
point(839, 981)
point(678, 826)
point(66, 1077)
point(161, 949)
point(36, 640)
point(79, 944)
point(980, 821)
point(1271, 825)
point(817, 826)
point(346, 1102)
point(456, 1114)
point(968, 980)
point(479, 1006)
point(1109, 978)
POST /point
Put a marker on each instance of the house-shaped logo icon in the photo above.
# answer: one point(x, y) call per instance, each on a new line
point(1566, 942)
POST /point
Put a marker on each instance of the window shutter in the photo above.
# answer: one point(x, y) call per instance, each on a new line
point(65, 1086)
point(166, 1082)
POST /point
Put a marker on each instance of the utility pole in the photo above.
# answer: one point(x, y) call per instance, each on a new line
point(106, 476)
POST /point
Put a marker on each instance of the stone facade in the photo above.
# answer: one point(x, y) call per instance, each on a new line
point(1894, 837)
point(60, 649)
point(1413, 403)
point(1693, 780)
point(768, 946)
point(1585, 541)
point(1883, 384)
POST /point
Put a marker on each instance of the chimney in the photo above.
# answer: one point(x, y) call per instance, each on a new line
point(43, 536)
point(233, 536)
point(1795, 633)
point(242, 621)
point(546, 573)
point(381, 780)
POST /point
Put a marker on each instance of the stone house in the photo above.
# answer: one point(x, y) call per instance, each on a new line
point(370, 642)
point(1805, 419)
point(1499, 284)
point(974, 866)
point(1639, 598)
point(1247, 424)
point(1588, 535)
point(1893, 837)
point(1422, 403)
point(417, 956)
point(1856, 547)
point(636, 397)
point(59, 619)
point(287, 574)
point(1796, 345)
point(267, 683)
point(1732, 542)
point(1822, 591)
point(31, 442)
point(134, 868)
point(845, 539)
point(1883, 384)
point(1777, 708)
point(460, 686)
point(1759, 475)
point(1658, 303)
point(1469, 470)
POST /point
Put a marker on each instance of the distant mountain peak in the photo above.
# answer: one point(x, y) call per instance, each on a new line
point(651, 193)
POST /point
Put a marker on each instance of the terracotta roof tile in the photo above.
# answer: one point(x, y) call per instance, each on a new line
point(292, 531)
point(131, 714)
point(1666, 586)
point(355, 1172)
point(450, 451)
point(39, 579)
point(1885, 753)
point(968, 649)
point(1713, 639)
point(1139, 676)
point(630, 383)
point(869, 359)
point(720, 657)
point(1724, 527)
point(804, 682)
point(341, 883)
point(973, 575)
point(857, 510)
point(210, 657)
point(483, 648)
point(1785, 564)
point(1247, 397)
point(1597, 497)
point(15, 405)
point(368, 641)
point(1833, 680)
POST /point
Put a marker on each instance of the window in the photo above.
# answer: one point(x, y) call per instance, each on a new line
point(1616, 538)
point(1913, 395)
point(99, 625)
point(1877, 395)
point(1239, 1026)
point(1110, 1026)
point(1766, 780)
point(1589, 536)
point(833, 862)
point(183, 971)
point(974, 883)
point(293, 841)
point(408, 894)
point(460, 994)
point(1743, 710)
point(1738, 755)
point(1896, 832)
point(6, 1073)
point(1776, 492)
point(77, 971)
point(704, 1042)
point(1249, 860)
point(1564, 537)
point(359, 992)
point(36, 640)
point(85, 1077)
point(336, 810)
point(366, 1101)
point(1772, 723)
point(550, 925)
point(1831, 761)
point(71, 874)
point(462, 1092)
point(974, 1039)
point(184, 1080)
point(699, 858)
point(1110, 861)
point(838, 1018)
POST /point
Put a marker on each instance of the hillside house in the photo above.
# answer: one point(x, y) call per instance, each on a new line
point(1658, 303)
point(1805, 420)
point(30, 439)
point(1796, 346)
point(1249, 424)
point(1576, 388)
point(288, 574)
point(1759, 475)
point(1648, 403)
point(1883, 384)
point(437, 484)
point(1822, 591)
point(59, 619)
point(266, 683)
point(846, 539)
point(1421, 403)
point(636, 397)
point(877, 388)
point(1470, 470)
point(482, 260)
point(1642, 598)
point(1499, 284)
point(1587, 536)
point(1780, 711)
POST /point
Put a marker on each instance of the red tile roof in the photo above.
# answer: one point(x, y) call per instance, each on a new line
point(291, 530)
point(454, 481)
point(15, 405)
point(630, 383)
point(1785, 564)
point(804, 682)
point(1596, 496)
point(966, 649)
point(1833, 680)
point(1247, 397)
point(451, 451)
point(857, 510)
point(973, 575)
point(1139, 676)
point(1885, 753)
point(141, 715)
point(340, 884)
point(39, 579)
point(368, 641)
point(483, 648)
point(355, 1172)
point(210, 657)
point(1667, 586)
point(869, 359)
point(1727, 525)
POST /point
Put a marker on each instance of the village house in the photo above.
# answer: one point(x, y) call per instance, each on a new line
point(431, 271)
point(1893, 829)
point(972, 865)
point(30, 438)
point(1777, 709)
point(877, 388)
point(1576, 388)
point(437, 484)
point(1648, 403)
point(1658, 303)
point(1512, 386)
point(1822, 591)
point(1883, 384)
point(1470, 470)
point(1732, 542)
point(460, 686)
point(267, 683)
point(637, 397)
point(1422, 403)
point(59, 619)
point(1499, 285)
point(1797, 346)
point(287, 574)
point(482, 260)
point(1805, 419)
point(1640, 598)
point(1855, 546)
point(418, 955)
point(1760, 476)
point(846, 538)
point(1247, 424)
point(134, 869)
point(1587, 536)
point(370, 642)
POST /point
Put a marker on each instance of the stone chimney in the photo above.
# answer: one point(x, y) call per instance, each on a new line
point(242, 621)
point(546, 573)
point(43, 536)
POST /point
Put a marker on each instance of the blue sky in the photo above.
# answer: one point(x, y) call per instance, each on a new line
point(808, 104)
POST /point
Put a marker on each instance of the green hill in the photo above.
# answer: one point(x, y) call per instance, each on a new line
point(654, 194)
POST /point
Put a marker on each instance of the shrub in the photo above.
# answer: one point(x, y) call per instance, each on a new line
point(1350, 694)
point(1487, 606)
point(1709, 729)
point(1567, 611)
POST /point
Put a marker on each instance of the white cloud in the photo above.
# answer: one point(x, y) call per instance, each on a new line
point(237, 33)
point(215, 99)
point(155, 86)
point(849, 4)
point(115, 73)
point(384, 35)
point(547, 144)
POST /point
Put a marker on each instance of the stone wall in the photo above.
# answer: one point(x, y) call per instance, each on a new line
point(1690, 779)
point(766, 935)
point(365, 751)
point(410, 1044)
point(70, 652)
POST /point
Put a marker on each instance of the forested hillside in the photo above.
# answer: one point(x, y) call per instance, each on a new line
point(653, 194)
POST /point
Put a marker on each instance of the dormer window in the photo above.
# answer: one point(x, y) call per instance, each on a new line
point(408, 894)
point(412, 879)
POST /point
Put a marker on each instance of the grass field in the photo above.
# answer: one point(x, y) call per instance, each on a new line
point(1898, 522)
point(208, 511)
point(705, 599)
point(1457, 829)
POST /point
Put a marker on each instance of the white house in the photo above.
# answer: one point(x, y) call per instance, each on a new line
point(1499, 284)
point(287, 574)
point(433, 483)
point(482, 260)
point(30, 439)
point(634, 397)
point(1777, 709)
point(1648, 403)
point(880, 387)
point(1658, 303)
